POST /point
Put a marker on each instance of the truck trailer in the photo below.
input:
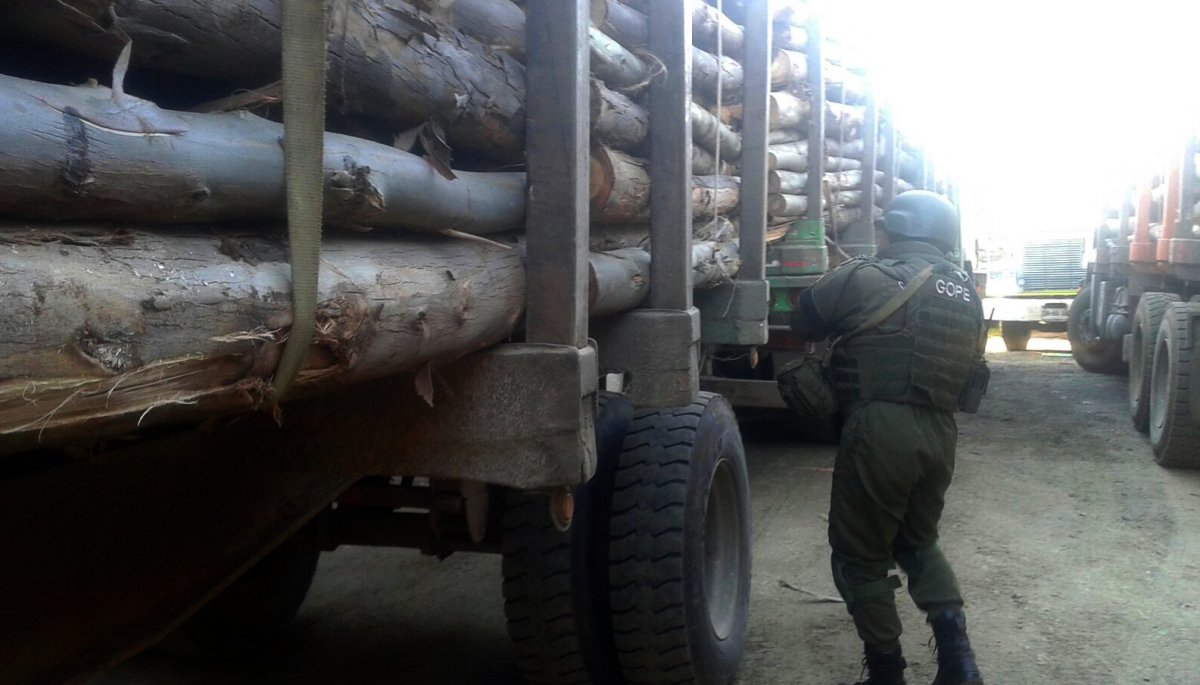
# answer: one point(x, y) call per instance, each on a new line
point(1137, 313)
point(518, 201)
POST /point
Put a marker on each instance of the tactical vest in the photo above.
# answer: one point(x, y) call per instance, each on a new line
point(926, 362)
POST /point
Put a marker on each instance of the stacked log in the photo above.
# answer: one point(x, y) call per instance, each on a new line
point(843, 112)
point(146, 267)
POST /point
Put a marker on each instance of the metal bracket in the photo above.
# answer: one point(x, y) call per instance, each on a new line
point(520, 415)
point(658, 350)
point(734, 313)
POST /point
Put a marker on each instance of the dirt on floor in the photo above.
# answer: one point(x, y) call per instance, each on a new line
point(1079, 556)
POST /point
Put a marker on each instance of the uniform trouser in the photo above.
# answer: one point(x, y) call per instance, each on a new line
point(894, 464)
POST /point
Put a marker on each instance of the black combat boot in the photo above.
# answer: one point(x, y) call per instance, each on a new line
point(956, 659)
point(883, 668)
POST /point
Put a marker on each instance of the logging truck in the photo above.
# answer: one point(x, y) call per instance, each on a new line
point(446, 304)
point(1137, 313)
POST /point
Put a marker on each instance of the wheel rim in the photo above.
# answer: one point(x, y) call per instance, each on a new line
point(1158, 388)
point(722, 551)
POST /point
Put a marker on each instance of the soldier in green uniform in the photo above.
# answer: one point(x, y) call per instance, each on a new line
point(898, 385)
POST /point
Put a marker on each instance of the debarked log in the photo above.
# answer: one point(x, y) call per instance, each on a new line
point(115, 330)
point(793, 182)
point(790, 111)
point(708, 71)
point(86, 153)
point(620, 189)
point(620, 279)
point(711, 134)
point(789, 68)
point(617, 120)
point(798, 161)
point(388, 60)
point(614, 64)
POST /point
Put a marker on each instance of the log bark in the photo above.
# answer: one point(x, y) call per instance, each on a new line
point(617, 121)
point(623, 23)
point(786, 135)
point(791, 37)
point(707, 70)
point(83, 153)
point(498, 24)
point(614, 64)
point(708, 132)
point(388, 60)
point(112, 331)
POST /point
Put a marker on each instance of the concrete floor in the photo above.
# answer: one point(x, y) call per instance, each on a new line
point(1080, 558)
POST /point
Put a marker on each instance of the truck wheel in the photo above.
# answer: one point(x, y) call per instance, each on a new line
point(1016, 335)
point(1146, 320)
point(680, 546)
point(255, 609)
point(1174, 437)
point(1091, 353)
point(556, 583)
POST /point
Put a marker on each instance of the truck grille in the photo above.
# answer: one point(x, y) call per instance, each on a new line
point(1052, 265)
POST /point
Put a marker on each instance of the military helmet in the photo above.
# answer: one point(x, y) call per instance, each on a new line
point(922, 215)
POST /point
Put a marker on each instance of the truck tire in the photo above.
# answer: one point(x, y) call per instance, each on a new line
point(1174, 437)
point(1146, 320)
point(680, 547)
point(556, 583)
point(1090, 352)
point(1016, 335)
point(253, 611)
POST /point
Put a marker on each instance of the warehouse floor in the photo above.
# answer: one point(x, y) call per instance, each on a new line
point(1080, 558)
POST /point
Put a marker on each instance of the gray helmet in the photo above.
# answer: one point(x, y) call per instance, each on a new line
point(922, 215)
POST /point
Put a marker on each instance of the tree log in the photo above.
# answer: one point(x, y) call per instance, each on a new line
point(81, 152)
point(115, 330)
point(788, 160)
point(620, 187)
point(620, 190)
point(708, 132)
point(620, 279)
point(615, 65)
point(842, 85)
point(709, 25)
point(780, 205)
point(714, 195)
point(707, 70)
point(387, 60)
point(704, 163)
point(787, 182)
point(617, 121)
point(786, 135)
point(110, 331)
point(623, 23)
point(789, 68)
point(498, 24)
point(789, 111)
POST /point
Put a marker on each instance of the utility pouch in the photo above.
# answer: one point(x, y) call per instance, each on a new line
point(805, 388)
point(976, 388)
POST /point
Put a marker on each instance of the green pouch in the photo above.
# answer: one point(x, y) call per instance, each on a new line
point(805, 388)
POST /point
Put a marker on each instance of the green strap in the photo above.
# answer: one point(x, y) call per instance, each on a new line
point(906, 293)
point(303, 158)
